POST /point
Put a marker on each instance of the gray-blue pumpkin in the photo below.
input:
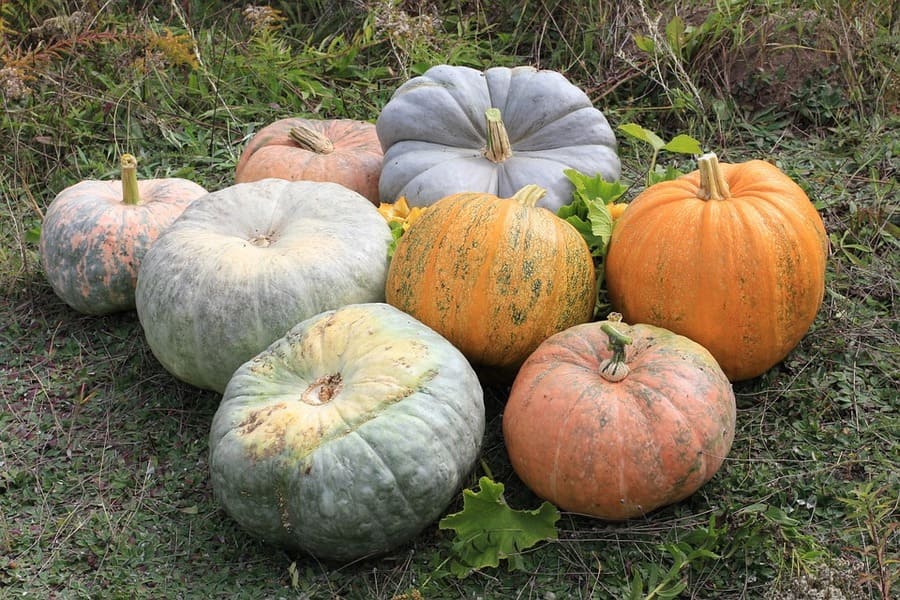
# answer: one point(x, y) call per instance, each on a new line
point(457, 129)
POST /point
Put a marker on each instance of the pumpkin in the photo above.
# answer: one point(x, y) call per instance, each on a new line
point(342, 151)
point(248, 262)
point(494, 276)
point(614, 421)
point(347, 436)
point(455, 129)
point(95, 234)
point(732, 256)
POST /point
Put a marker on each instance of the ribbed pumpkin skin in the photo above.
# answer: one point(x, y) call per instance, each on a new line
point(433, 131)
point(355, 162)
point(248, 262)
point(618, 450)
point(743, 276)
point(493, 276)
point(92, 243)
point(348, 435)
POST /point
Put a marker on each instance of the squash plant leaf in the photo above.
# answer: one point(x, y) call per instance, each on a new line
point(663, 174)
point(645, 135)
point(488, 530)
point(396, 233)
point(683, 144)
point(589, 210)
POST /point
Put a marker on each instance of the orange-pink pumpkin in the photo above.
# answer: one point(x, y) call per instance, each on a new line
point(343, 151)
point(614, 420)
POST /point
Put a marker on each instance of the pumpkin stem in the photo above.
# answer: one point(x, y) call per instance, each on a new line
point(615, 368)
point(712, 182)
point(130, 193)
point(311, 140)
point(529, 194)
point(497, 149)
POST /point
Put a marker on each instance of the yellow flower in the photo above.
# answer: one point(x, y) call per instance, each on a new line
point(413, 215)
point(616, 210)
point(399, 212)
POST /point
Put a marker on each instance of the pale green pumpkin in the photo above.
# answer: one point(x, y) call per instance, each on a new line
point(246, 263)
point(347, 436)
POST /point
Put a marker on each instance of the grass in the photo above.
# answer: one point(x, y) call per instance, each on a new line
point(103, 476)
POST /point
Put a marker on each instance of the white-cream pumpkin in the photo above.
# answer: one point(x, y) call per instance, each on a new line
point(244, 264)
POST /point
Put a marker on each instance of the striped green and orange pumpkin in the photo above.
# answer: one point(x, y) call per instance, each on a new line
point(343, 151)
point(95, 234)
point(495, 276)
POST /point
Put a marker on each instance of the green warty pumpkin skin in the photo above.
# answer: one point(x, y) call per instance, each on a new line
point(349, 435)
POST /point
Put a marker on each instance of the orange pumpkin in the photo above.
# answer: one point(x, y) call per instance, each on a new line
point(494, 276)
point(95, 234)
point(615, 421)
point(732, 256)
point(342, 151)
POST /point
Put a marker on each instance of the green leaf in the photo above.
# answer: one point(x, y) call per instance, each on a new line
point(396, 234)
point(488, 530)
point(595, 187)
point(674, 591)
point(644, 43)
point(33, 235)
point(675, 34)
point(645, 135)
point(601, 223)
point(778, 516)
point(663, 174)
point(637, 586)
point(683, 144)
point(589, 210)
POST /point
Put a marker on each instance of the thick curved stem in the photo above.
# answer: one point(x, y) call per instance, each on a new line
point(498, 148)
point(130, 193)
point(712, 182)
point(529, 195)
point(615, 368)
point(311, 140)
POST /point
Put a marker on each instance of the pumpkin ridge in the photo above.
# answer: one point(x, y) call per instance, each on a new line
point(528, 134)
point(676, 418)
point(397, 488)
point(565, 431)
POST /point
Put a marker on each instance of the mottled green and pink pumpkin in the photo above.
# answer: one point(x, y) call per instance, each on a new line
point(348, 435)
point(95, 234)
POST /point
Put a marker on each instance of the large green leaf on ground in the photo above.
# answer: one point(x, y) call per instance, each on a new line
point(488, 530)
